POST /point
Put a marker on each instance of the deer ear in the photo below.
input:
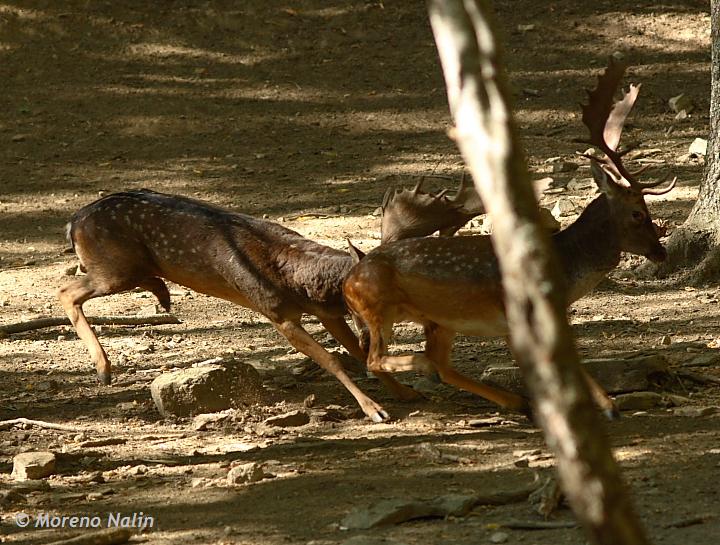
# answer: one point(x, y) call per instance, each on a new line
point(355, 252)
point(603, 180)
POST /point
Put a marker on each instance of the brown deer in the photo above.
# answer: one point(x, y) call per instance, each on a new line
point(453, 285)
point(137, 238)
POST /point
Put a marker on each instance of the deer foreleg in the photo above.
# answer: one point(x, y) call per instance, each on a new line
point(600, 396)
point(339, 329)
point(303, 341)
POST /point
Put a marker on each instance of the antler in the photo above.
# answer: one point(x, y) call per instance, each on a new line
point(415, 213)
point(605, 120)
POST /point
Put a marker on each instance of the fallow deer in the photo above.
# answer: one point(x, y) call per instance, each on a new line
point(453, 285)
point(137, 238)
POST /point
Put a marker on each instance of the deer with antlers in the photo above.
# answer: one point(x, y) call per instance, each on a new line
point(138, 238)
point(453, 285)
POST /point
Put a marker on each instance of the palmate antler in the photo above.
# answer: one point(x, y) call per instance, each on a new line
point(605, 119)
point(412, 212)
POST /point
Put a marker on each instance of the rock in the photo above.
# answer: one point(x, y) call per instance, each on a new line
point(10, 497)
point(545, 184)
point(35, 485)
point(499, 537)
point(288, 420)
point(695, 412)
point(582, 184)
point(507, 377)
point(197, 482)
point(563, 207)
point(711, 359)
point(396, 511)
point(33, 465)
point(148, 310)
point(251, 472)
point(614, 375)
point(144, 348)
point(209, 420)
point(674, 400)
point(564, 166)
point(635, 373)
point(486, 422)
point(681, 103)
point(332, 414)
point(547, 498)
point(207, 389)
point(638, 401)
point(426, 385)
point(698, 147)
point(486, 226)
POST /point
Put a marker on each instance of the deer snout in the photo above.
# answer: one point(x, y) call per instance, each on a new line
point(658, 255)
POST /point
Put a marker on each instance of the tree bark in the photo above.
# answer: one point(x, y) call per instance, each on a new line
point(696, 244)
point(535, 301)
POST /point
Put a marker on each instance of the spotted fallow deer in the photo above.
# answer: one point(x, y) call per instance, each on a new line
point(138, 238)
point(453, 285)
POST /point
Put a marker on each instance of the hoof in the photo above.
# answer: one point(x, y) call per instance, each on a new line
point(527, 411)
point(104, 379)
point(380, 416)
point(612, 414)
point(434, 376)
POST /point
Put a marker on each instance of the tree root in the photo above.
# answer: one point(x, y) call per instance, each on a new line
point(40, 323)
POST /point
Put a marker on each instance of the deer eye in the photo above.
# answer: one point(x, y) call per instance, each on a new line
point(638, 216)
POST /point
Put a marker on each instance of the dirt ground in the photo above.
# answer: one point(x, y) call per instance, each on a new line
point(306, 112)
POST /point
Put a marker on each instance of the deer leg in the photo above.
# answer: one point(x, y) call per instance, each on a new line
point(303, 341)
point(380, 362)
point(158, 288)
point(600, 396)
point(597, 392)
point(438, 348)
point(339, 329)
point(72, 296)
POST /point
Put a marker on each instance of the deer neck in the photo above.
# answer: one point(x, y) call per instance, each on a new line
point(315, 272)
point(589, 248)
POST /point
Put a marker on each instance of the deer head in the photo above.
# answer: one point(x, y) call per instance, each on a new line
point(605, 119)
point(415, 213)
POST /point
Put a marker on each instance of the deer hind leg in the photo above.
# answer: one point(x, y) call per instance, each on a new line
point(600, 396)
point(339, 329)
point(379, 361)
point(597, 392)
point(158, 288)
point(72, 296)
point(303, 341)
point(438, 347)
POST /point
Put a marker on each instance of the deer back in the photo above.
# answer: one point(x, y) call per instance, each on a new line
point(256, 263)
point(456, 282)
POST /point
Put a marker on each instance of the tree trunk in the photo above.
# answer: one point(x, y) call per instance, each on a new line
point(696, 244)
point(535, 302)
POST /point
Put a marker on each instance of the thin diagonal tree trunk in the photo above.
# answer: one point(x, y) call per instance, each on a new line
point(535, 302)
